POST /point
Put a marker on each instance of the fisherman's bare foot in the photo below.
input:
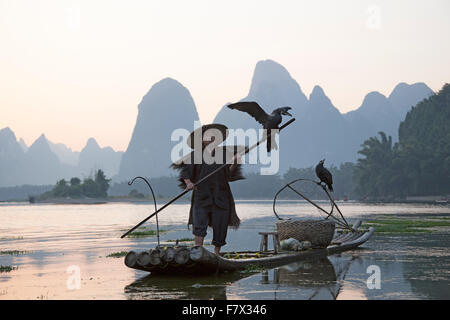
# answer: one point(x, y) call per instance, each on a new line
point(217, 250)
point(198, 240)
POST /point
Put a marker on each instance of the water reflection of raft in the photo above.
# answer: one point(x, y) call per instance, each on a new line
point(182, 259)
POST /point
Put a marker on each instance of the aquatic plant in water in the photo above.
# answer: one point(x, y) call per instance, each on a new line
point(182, 240)
point(253, 269)
point(117, 254)
point(404, 225)
point(7, 268)
point(14, 252)
point(144, 232)
point(12, 238)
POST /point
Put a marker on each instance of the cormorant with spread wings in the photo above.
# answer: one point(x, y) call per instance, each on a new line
point(268, 121)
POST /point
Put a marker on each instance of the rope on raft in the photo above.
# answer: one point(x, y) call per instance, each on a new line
point(343, 224)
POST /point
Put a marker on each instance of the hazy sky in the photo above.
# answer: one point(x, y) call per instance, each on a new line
point(78, 69)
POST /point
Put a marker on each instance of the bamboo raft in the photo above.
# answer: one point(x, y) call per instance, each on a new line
point(176, 260)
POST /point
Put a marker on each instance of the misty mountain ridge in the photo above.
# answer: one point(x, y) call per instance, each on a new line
point(40, 150)
point(321, 131)
point(381, 113)
point(12, 158)
point(43, 165)
point(404, 96)
point(272, 86)
point(9, 144)
point(93, 157)
point(23, 145)
point(45, 162)
point(167, 106)
point(65, 154)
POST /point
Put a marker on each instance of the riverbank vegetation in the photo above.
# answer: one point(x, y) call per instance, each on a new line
point(91, 187)
point(418, 164)
point(254, 186)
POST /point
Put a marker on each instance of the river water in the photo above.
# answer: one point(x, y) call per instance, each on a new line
point(59, 244)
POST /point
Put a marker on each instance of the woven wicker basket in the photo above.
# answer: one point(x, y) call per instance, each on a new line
point(318, 232)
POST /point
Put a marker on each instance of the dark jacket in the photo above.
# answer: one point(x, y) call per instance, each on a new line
point(214, 190)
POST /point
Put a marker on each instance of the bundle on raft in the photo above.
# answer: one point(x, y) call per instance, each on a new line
point(184, 260)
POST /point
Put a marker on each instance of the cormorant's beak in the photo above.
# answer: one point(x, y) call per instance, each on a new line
point(287, 114)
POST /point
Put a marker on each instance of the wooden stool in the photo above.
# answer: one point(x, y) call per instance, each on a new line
point(265, 241)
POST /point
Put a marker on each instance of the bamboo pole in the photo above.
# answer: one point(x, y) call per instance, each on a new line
point(154, 201)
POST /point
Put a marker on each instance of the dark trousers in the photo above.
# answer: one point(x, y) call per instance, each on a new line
point(219, 221)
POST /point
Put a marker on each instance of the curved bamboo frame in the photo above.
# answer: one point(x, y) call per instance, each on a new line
point(154, 201)
point(343, 224)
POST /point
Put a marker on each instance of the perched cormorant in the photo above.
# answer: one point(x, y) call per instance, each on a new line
point(268, 121)
point(324, 175)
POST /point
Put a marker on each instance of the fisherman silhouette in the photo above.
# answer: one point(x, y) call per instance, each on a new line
point(212, 202)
